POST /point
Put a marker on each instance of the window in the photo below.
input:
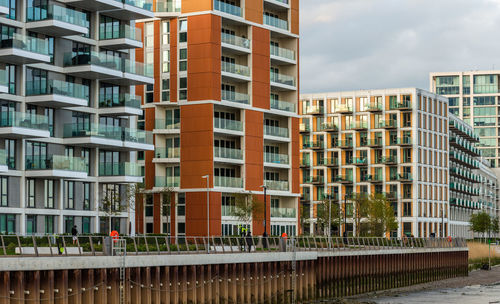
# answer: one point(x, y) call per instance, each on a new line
point(85, 225)
point(165, 38)
point(149, 93)
point(30, 224)
point(10, 151)
point(7, 223)
point(486, 131)
point(49, 224)
point(70, 194)
point(466, 84)
point(183, 88)
point(487, 142)
point(183, 31)
point(455, 111)
point(49, 113)
point(453, 101)
point(149, 209)
point(165, 90)
point(68, 224)
point(484, 121)
point(485, 111)
point(11, 78)
point(485, 84)
point(181, 204)
point(166, 61)
point(85, 154)
point(49, 193)
point(86, 196)
point(109, 28)
point(181, 228)
point(80, 121)
point(447, 85)
point(30, 193)
point(149, 35)
point(12, 9)
point(183, 60)
point(484, 100)
point(4, 191)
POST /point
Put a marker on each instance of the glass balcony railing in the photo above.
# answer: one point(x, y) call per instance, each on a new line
point(386, 124)
point(276, 185)
point(227, 8)
point(282, 52)
point(305, 162)
point(276, 158)
point(138, 68)
point(144, 4)
point(138, 136)
point(119, 169)
point(228, 182)
point(283, 212)
point(56, 12)
point(227, 124)
point(360, 161)
point(167, 181)
point(121, 31)
point(168, 6)
point(228, 210)
point(94, 58)
point(55, 162)
point(282, 79)
point(167, 124)
point(234, 68)
point(235, 40)
point(167, 152)
point(373, 107)
point(275, 131)
point(235, 97)
point(229, 153)
point(57, 87)
point(93, 130)
point(119, 100)
point(3, 159)
point(405, 141)
point(26, 43)
point(282, 105)
point(342, 108)
point(375, 142)
point(275, 22)
point(328, 126)
point(24, 120)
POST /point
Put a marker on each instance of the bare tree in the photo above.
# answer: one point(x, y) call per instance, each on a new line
point(326, 213)
point(246, 207)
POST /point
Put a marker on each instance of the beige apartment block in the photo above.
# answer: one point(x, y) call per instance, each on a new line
point(389, 141)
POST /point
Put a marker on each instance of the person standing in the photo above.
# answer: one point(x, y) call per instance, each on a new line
point(74, 233)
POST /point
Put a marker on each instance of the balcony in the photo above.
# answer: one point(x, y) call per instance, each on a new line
point(55, 20)
point(276, 133)
point(235, 44)
point(120, 105)
point(405, 141)
point(235, 72)
point(168, 7)
point(314, 110)
point(283, 212)
point(166, 126)
point(304, 128)
point(275, 159)
point(328, 127)
point(315, 180)
point(282, 55)
point(57, 94)
point(317, 145)
point(113, 69)
point(165, 182)
point(276, 22)
point(405, 177)
point(234, 127)
point(132, 9)
point(343, 179)
point(224, 154)
point(358, 125)
point(124, 172)
point(387, 160)
point(4, 162)
point(374, 143)
point(120, 38)
point(360, 161)
point(342, 109)
point(282, 82)
point(104, 136)
point(305, 163)
point(373, 107)
point(235, 97)
point(282, 105)
point(228, 182)
point(95, 5)
point(386, 124)
point(404, 105)
point(19, 49)
point(375, 179)
point(56, 166)
point(276, 185)
point(167, 155)
point(345, 144)
point(227, 8)
point(331, 162)
point(22, 125)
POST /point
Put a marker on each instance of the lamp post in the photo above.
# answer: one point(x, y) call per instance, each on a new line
point(345, 216)
point(265, 208)
point(208, 207)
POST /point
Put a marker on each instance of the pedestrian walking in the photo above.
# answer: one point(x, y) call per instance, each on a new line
point(74, 233)
point(249, 241)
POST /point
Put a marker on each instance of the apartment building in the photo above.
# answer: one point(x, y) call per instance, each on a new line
point(473, 184)
point(68, 115)
point(473, 97)
point(223, 114)
point(392, 141)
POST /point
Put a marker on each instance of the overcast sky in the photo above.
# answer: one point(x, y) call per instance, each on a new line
point(369, 44)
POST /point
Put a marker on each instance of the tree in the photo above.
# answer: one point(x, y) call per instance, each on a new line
point(246, 206)
point(480, 222)
point(114, 202)
point(494, 225)
point(381, 216)
point(360, 203)
point(323, 217)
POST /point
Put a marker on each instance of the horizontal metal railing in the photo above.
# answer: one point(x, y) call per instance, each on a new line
point(91, 245)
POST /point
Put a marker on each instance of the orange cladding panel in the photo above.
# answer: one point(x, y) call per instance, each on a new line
point(254, 11)
point(204, 53)
point(196, 213)
point(261, 66)
point(190, 6)
point(254, 146)
point(295, 155)
point(197, 143)
point(294, 5)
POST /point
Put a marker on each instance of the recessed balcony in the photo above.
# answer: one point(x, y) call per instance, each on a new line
point(3, 161)
point(278, 4)
point(124, 172)
point(123, 37)
point(276, 160)
point(282, 56)
point(132, 10)
point(166, 126)
point(276, 133)
point(343, 179)
point(276, 22)
point(276, 185)
point(138, 140)
point(235, 44)
point(228, 182)
point(374, 143)
point(20, 49)
point(283, 212)
point(120, 104)
point(386, 124)
point(167, 155)
point(280, 82)
point(282, 105)
point(23, 125)
point(235, 72)
point(373, 107)
point(55, 20)
point(404, 141)
point(57, 94)
point(55, 166)
point(329, 127)
point(235, 97)
point(227, 8)
point(227, 126)
point(228, 155)
point(166, 182)
point(342, 109)
point(315, 180)
point(168, 8)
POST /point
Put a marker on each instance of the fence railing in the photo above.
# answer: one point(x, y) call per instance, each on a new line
point(64, 245)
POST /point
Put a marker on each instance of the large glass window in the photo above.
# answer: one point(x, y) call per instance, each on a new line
point(484, 84)
point(30, 224)
point(49, 193)
point(484, 121)
point(489, 152)
point(165, 32)
point(453, 101)
point(448, 85)
point(49, 113)
point(466, 84)
point(36, 155)
point(70, 194)
point(85, 225)
point(486, 131)
point(30, 193)
point(86, 196)
point(484, 100)
point(68, 223)
point(183, 88)
point(11, 78)
point(486, 111)
point(49, 224)
point(183, 60)
point(4, 191)
point(7, 223)
point(183, 31)
point(487, 142)
point(109, 28)
point(10, 151)
point(165, 90)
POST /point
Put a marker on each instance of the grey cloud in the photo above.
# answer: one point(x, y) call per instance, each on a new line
point(363, 44)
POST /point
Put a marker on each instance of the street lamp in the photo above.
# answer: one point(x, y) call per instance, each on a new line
point(208, 206)
point(265, 208)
